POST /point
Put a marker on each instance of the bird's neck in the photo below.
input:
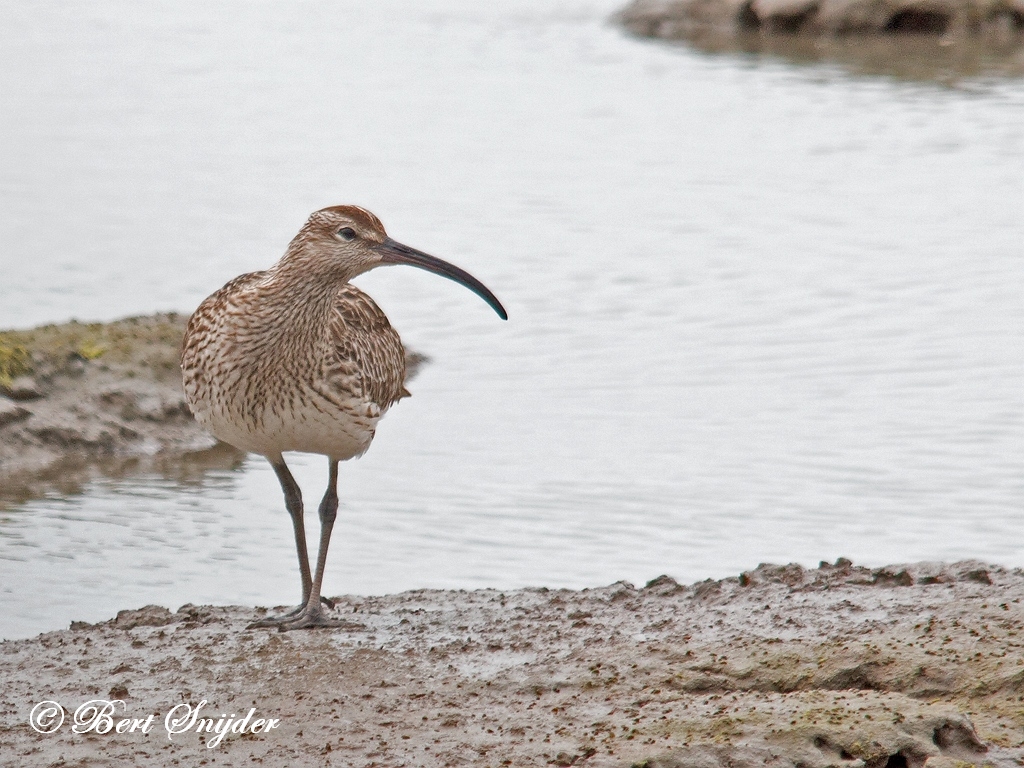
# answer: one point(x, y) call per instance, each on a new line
point(307, 262)
point(300, 299)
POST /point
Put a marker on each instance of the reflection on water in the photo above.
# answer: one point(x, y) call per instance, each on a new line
point(75, 474)
point(757, 313)
point(929, 58)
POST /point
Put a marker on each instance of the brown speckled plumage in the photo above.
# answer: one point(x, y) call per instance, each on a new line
point(273, 362)
point(295, 358)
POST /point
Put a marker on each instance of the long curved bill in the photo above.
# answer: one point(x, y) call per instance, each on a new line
point(393, 252)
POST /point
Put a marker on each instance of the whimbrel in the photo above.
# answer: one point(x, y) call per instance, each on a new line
point(296, 358)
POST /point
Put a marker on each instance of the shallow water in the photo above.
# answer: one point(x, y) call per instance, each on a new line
point(758, 311)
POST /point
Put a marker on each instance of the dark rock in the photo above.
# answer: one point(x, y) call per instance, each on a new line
point(118, 691)
point(890, 577)
point(11, 412)
point(979, 575)
point(958, 738)
point(664, 586)
point(148, 616)
point(24, 388)
point(791, 575)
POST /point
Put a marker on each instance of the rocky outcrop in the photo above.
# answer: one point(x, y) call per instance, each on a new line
point(1000, 20)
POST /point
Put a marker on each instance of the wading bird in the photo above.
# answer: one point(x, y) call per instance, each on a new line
point(296, 358)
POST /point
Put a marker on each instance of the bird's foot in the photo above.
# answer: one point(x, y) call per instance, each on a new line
point(277, 621)
point(309, 619)
point(273, 621)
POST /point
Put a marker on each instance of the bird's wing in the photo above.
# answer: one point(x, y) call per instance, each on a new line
point(212, 313)
point(370, 359)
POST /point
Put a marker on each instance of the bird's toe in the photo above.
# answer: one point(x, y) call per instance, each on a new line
point(273, 621)
point(314, 619)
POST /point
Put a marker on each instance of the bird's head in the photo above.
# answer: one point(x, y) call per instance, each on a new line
point(346, 240)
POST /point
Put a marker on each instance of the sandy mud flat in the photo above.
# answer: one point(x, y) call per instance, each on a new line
point(916, 665)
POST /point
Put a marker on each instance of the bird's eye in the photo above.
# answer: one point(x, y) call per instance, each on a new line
point(347, 233)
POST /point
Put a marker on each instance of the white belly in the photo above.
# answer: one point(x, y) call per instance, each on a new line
point(307, 425)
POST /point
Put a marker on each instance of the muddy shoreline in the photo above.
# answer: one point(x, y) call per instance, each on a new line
point(915, 665)
point(81, 400)
point(1000, 22)
point(944, 42)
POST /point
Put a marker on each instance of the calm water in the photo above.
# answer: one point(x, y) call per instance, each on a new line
point(758, 311)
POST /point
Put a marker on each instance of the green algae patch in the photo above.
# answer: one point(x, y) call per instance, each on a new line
point(148, 343)
point(15, 360)
point(90, 351)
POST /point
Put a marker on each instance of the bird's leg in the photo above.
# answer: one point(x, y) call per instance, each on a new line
point(293, 501)
point(312, 615)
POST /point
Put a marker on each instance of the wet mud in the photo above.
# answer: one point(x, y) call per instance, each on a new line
point(915, 665)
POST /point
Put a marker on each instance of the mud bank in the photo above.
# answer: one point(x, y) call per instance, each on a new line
point(933, 40)
point(918, 665)
point(998, 20)
point(84, 399)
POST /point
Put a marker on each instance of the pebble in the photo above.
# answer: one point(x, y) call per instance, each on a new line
point(24, 388)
